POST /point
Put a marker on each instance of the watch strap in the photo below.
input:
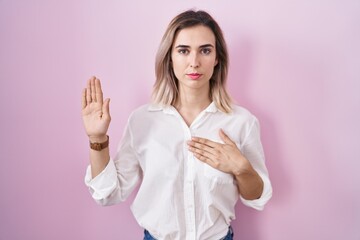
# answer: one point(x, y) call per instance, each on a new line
point(99, 146)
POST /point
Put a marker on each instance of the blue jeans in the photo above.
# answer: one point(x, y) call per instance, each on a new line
point(229, 235)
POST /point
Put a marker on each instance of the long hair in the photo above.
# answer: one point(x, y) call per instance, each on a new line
point(165, 91)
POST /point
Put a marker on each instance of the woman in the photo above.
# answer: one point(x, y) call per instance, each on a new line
point(194, 152)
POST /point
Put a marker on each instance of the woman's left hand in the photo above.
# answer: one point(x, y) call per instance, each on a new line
point(224, 157)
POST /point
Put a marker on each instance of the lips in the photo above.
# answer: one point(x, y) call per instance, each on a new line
point(194, 76)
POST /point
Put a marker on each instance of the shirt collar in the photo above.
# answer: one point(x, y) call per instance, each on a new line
point(170, 109)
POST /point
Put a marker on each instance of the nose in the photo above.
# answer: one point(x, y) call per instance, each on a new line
point(194, 60)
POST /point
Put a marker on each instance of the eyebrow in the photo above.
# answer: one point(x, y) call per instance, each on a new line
point(202, 46)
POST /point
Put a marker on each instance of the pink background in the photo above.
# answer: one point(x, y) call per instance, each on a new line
point(294, 64)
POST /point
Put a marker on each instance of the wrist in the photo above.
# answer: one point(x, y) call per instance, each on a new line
point(244, 169)
point(98, 139)
point(98, 146)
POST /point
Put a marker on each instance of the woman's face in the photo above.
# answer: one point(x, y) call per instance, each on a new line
point(193, 57)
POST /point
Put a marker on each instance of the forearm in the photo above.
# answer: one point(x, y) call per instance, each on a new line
point(98, 159)
point(249, 182)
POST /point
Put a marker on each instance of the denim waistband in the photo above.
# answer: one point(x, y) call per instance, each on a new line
point(229, 235)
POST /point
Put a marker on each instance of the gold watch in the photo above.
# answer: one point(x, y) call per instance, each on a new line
point(99, 146)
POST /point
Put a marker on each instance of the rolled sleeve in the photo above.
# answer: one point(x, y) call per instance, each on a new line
point(259, 203)
point(103, 184)
point(120, 176)
point(253, 151)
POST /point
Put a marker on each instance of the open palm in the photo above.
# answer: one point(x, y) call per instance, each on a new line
point(95, 110)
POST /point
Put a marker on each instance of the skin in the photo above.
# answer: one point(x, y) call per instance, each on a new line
point(229, 159)
point(96, 119)
point(193, 52)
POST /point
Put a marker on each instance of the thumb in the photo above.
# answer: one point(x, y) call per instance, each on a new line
point(106, 108)
point(225, 138)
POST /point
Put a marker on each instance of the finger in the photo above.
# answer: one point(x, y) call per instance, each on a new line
point(83, 98)
point(88, 91)
point(204, 141)
point(93, 91)
point(106, 108)
point(98, 91)
point(200, 148)
point(207, 154)
point(206, 160)
point(225, 138)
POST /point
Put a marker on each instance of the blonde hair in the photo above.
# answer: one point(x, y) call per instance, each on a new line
point(165, 91)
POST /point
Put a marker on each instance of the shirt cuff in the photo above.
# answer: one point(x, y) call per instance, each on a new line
point(104, 183)
point(259, 203)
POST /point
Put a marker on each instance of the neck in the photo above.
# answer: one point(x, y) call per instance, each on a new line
point(191, 103)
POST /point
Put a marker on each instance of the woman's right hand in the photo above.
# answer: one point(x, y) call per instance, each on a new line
point(95, 111)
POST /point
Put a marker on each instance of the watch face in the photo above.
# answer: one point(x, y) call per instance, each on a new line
point(99, 146)
point(96, 146)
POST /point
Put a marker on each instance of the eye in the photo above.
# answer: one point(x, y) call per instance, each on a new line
point(206, 51)
point(183, 51)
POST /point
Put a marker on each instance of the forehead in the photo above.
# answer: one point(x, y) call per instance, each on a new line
point(195, 36)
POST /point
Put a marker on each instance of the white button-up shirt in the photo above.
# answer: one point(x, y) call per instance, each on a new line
point(180, 197)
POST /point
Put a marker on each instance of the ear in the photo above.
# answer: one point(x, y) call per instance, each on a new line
point(216, 62)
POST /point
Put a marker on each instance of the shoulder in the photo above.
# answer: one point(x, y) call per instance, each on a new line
point(145, 112)
point(243, 123)
point(242, 114)
point(140, 111)
point(240, 121)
